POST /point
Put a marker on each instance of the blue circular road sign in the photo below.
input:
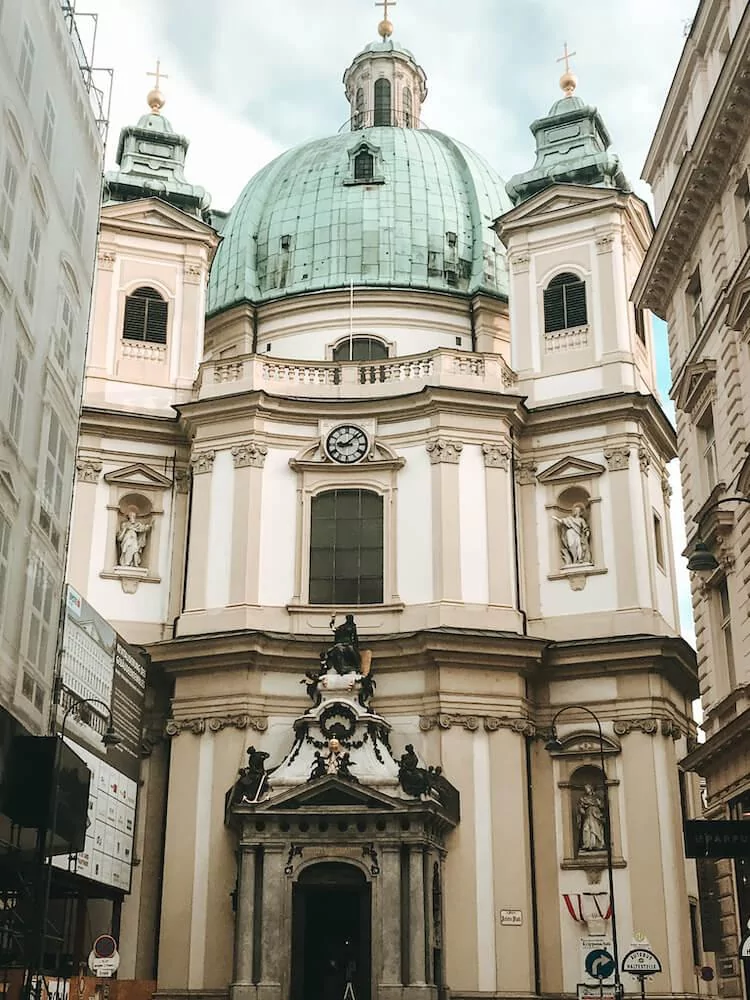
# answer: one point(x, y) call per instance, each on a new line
point(599, 964)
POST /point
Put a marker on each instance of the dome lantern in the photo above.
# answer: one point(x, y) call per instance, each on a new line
point(384, 84)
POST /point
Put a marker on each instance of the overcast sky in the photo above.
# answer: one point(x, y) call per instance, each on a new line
point(247, 81)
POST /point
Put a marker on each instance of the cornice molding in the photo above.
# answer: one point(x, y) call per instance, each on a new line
point(472, 723)
point(214, 724)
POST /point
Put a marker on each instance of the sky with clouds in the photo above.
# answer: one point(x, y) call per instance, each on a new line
point(247, 81)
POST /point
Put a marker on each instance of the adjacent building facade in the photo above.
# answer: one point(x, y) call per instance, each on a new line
point(51, 151)
point(393, 390)
point(696, 276)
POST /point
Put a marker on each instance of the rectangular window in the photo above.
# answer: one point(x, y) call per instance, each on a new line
point(8, 190)
point(26, 61)
point(658, 541)
point(17, 392)
point(4, 559)
point(27, 686)
point(695, 302)
point(346, 548)
point(640, 324)
point(695, 939)
point(78, 217)
point(38, 646)
point(725, 623)
point(64, 331)
point(48, 127)
point(54, 480)
point(707, 434)
point(32, 261)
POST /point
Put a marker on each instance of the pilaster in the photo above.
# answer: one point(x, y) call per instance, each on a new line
point(445, 456)
point(500, 541)
point(417, 940)
point(249, 458)
point(202, 463)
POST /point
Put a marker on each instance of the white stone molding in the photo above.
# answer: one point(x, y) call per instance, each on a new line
point(88, 470)
point(519, 263)
point(617, 459)
point(561, 341)
point(202, 462)
point(198, 726)
point(249, 453)
point(605, 243)
point(472, 723)
point(443, 450)
point(130, 577)
point(496, 456)
point(106, 260)
point(526, 473)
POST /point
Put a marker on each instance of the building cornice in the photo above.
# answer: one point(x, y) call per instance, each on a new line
point(723, 746)
point(700, 179)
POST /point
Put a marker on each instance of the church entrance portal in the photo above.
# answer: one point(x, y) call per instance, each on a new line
point(331, 934)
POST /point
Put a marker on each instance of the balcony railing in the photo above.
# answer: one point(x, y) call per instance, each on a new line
point(391, 376)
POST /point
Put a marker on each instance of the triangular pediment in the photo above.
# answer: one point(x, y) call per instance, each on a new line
point(738, 306)
point(154, 213)
point(138, 475)
point(329, 792)
point(570, 470)
point(584, 743)
point(694, 383)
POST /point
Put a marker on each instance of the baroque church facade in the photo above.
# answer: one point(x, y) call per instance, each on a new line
point(375, 469)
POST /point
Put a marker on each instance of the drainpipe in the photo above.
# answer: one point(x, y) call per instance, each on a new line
point(516, 536)
point(532, 866)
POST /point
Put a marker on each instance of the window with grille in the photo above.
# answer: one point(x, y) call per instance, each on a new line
point(346, 548)
point(38, 648)
point(8, 190)
point(64, 331)
point(48, 126)
point(408, 103)
point(17, 392)
point(382, 103)
point(565, 303)
point(364, 166)
point(360, 349)
point(78, 216)
point(32, 261)
point(26, 61)
point(4, 560)
point(695, 302)
point(145, 316)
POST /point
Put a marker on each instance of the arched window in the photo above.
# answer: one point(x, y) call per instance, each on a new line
point(408, 104)
point(359, 109)
point(360, 349)
point(565, 303)
point(145, 316)
point(346, 548)
point(364, 166)
point(382, 103)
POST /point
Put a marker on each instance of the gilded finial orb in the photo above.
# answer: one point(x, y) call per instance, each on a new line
point(155, 100)
point(568, 83)
point(385, 28)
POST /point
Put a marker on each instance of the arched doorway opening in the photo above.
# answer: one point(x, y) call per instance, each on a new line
point(331, 933)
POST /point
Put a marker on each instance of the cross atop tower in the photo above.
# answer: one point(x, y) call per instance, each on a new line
point(385, 28)
point(158, 75)
point(566, 57)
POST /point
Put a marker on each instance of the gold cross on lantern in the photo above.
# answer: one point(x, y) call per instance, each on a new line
point(385, 4)
point(158, 75)
point(566, 57)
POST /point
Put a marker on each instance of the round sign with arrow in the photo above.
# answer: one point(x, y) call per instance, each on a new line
point(599, 964)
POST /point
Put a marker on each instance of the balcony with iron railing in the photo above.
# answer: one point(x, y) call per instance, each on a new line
point(356, 379)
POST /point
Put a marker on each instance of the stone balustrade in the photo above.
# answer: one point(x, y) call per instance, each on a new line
point(343, 379)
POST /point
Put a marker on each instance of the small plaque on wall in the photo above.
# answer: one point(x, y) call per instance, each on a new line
point(511, 918)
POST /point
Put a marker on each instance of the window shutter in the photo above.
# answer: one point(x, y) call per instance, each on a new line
point(554, 309)
point(133, 328)
point(156, 321)
point(575, 299)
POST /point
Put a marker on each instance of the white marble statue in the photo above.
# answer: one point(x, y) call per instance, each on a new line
point(131, 539)
point(575, 537)
point(591, 819)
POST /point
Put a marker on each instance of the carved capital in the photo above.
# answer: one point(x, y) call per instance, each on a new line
point(471, 723)
point(644, 458)
point(496, 456)
point(666, 487)
point(88, 470)
point(442, 450)
point(193, 274)
point(519, 262)
point(670, 729)
point(202, 461)
point(526, 473)
point(624, 726)
point(106, 260)
point(525, 727)
point(442, 721)
point(182, 480)
point(617, 458)
point(215, 724)
point(605, 243)
point(249, 453)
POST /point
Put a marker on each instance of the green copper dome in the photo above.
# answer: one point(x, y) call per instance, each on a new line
point(417, 215)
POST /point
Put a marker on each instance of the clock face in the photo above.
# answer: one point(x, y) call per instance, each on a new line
point(347, 444)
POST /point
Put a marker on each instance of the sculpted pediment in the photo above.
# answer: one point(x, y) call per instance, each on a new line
point(153, 212)
point(570, 470)
point(584, 743)
point(328, 792)
point(691, 388)
point(137, 475)
point(738, 306)
point(314, 456)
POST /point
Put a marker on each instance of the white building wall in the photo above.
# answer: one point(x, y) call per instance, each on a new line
point(48, 171)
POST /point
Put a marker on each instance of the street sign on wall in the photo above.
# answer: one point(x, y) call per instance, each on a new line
point(717, 838)
point(641, 961)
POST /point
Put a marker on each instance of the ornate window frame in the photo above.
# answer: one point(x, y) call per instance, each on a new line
point(378, 166)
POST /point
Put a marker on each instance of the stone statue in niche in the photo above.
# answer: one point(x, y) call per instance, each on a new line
point(591, 820)
point(575, 537)
point(131, 540)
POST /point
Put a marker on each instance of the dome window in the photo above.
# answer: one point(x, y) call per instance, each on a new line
point(382, 103)
point(146, 314)
point(565, 303)
point(360, 349)
point(364, 166)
